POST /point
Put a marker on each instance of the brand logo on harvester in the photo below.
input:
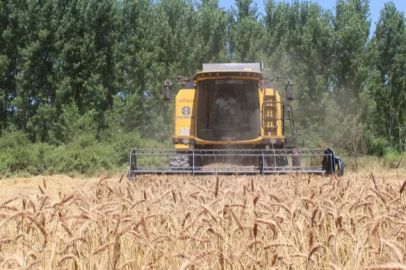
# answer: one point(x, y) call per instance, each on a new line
point(186, 110)
point(186, 113)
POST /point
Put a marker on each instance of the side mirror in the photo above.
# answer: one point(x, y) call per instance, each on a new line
point(167, 90)
point(289, 92)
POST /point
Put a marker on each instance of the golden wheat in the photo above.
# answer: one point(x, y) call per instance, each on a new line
point(180, 222)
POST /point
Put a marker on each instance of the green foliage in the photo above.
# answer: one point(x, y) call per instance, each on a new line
point(390, 64)
point(246, 32)
point(72, 124)
point(351, 31)
point(377, 146)
point(393, 159)
point(83, 155)
point(16, 153)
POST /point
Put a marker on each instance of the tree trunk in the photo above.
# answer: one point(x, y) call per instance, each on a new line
point(390, 113)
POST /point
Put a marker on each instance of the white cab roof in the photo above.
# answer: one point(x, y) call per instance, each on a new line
point(232, 67)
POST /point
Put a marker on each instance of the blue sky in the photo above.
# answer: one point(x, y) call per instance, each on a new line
point(374, 5)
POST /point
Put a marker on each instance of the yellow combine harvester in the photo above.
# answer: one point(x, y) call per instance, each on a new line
point(229, 119)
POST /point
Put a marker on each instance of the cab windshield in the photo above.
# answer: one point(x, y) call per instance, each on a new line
point(228, 110)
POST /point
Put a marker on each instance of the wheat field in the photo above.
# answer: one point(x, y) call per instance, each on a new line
point(207, 222)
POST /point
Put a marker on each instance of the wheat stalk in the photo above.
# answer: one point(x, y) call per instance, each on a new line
point(147, 223)
point(388, 267)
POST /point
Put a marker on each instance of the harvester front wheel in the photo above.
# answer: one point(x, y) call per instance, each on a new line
point(276, 163)
point(179, 161)
point(182, 161)
point(340, 166)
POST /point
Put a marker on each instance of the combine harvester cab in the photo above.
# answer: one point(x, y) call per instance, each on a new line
point(230, 119)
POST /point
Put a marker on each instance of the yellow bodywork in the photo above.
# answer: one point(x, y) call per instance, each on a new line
point(186, 103)
point(270, 113)
point(185, 111)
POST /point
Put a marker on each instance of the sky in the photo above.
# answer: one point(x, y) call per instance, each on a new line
point(375, 7)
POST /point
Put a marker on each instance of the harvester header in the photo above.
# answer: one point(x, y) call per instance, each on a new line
point(230, 118)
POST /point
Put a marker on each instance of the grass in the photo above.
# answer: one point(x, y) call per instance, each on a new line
point(364, 164)
point(209, 222)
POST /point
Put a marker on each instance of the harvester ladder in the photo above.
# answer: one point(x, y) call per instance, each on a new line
point(269, 112)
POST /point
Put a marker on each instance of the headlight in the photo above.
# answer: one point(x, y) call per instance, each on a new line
point(185, 141)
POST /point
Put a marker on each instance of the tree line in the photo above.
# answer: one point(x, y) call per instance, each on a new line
point(71, 68)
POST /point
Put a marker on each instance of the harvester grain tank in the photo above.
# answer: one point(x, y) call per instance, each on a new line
point(230, 118)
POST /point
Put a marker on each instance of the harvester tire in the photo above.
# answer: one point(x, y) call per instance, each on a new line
point(277, 162)
point(179, 162)
point(340, 166)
